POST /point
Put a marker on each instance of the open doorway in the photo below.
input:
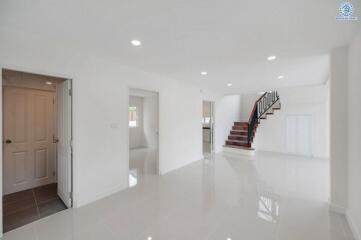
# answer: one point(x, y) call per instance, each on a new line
point(208, 127)
point(143, 135)
point(37, 151)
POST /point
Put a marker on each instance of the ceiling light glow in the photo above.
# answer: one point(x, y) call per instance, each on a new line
point(229, 84)
point(281, 77)
point(204, 73)
point(271, 58)
point(136, 42)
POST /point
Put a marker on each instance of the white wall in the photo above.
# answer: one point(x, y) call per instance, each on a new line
point(101, 90)
point(248, 101)
point(227, 111)
point(136, 134)
point(339, 128)
point(354, 137)
point(100, 118)
point(150, 107)
point(312, 100)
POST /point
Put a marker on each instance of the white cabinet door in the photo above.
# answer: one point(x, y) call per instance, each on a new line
point(64, 142)
point(29, 151)
point(298, 134)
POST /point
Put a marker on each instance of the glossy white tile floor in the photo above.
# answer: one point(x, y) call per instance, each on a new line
point(268, 196)
point(143, 162)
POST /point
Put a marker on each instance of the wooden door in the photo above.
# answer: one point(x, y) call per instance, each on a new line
point(29, 151)
point(64, 151)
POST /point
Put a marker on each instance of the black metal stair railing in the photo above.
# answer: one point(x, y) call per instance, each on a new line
point(261, 107)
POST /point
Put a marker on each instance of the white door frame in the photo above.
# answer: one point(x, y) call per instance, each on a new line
point(127, 126)
point(212, 124)
point(73, 172)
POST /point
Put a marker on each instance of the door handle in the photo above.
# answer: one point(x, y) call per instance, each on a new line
point(8, 141)
point(55, 140)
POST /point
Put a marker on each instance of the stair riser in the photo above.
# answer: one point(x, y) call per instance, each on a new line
point(239, 133)
point(240, 127)
point(237, 144)
point(243, 124)
point(240, 138)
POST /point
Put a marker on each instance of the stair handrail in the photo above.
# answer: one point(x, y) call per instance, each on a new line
point(255, 107)
point(261, 106)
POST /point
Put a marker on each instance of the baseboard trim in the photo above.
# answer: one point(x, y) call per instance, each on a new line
point(353, 227)
point(196, 159)
point(337, 209)
point(342, 210)
point(103, 194)
point(241, 151)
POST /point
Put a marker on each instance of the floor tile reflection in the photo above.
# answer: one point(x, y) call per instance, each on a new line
point(267, 196)
point(142, 164)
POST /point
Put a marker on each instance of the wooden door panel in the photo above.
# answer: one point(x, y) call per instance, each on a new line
point(41, 163)
point(40, 118)
point(64, 145)
point(19, 171)
point(19, 117)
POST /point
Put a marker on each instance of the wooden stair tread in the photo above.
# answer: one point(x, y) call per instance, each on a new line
point(236, 140)
point(237, 136)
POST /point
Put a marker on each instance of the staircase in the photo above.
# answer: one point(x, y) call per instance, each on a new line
point(243, 133)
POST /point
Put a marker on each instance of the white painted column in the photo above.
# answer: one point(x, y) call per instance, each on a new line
point(339, 129)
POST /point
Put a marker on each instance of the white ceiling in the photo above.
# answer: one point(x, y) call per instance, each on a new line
point(230, 39)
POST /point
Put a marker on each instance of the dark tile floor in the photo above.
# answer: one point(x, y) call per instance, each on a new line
point(30, 205)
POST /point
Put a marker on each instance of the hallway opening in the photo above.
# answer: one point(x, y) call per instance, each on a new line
point(143, 135)
point(208, 127)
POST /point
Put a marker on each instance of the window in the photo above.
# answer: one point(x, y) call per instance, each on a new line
point(132, 116)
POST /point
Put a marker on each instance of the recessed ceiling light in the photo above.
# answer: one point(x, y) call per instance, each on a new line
point(281, 77)
point(229, 84)
point(48, 83)
point(136, 42)
point(271, 58)
point(149, 238)
point(229, 238)
point(204, 73)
